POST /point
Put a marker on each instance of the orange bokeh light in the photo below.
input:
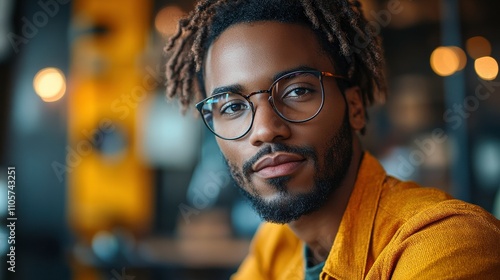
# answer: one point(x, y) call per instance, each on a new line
point(478, 46)
point(486, 68)
point(50, 84)
point(167, 18)
point(445, 61)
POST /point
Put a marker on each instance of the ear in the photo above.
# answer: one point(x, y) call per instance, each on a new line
point(356, 108)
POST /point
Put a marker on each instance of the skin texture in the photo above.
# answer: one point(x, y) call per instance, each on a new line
point(250, 55)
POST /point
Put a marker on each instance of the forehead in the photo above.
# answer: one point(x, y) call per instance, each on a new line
point(250, 54)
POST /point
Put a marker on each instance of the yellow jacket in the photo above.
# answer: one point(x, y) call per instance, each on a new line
point(390, 230)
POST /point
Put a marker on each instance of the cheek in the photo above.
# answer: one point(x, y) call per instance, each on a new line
point(231, 151)
point(319, 132)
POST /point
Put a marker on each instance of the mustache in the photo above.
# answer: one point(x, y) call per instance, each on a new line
point(305, 151)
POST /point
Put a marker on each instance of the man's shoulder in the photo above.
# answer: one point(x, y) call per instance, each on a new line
point(396, 199)
point(404, 204)
point(403, 200)
point(275, 250)
point(424, 231)
point(406, 209)
point(448, 237)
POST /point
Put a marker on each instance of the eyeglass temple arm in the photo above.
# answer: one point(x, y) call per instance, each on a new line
point(328, 74)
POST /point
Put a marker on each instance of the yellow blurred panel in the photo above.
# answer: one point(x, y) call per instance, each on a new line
point(109, 187)
point(122, 25)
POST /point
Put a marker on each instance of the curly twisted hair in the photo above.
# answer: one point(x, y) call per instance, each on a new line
point(341, 28)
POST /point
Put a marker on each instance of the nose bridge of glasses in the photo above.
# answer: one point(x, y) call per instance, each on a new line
point(258, 92)
point(269, 98)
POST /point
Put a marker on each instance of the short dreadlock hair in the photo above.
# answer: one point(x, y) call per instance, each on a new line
point(339, 24)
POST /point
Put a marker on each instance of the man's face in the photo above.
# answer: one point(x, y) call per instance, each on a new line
point(285, 169)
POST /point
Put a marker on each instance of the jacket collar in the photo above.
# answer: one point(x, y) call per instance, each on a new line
point(349, 253)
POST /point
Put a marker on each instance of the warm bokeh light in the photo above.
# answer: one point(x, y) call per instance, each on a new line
point(445, 61)
point(478, 46)
point(462, 57)
point(167, 18)
point(486, 68)
point(50, 84)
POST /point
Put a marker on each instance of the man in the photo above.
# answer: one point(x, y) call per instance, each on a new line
point(283, 85)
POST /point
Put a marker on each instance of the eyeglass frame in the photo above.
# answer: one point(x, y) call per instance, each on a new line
point(319, 74)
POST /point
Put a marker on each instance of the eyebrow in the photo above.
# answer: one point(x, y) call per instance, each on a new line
point(237, 88)
point(299, 68)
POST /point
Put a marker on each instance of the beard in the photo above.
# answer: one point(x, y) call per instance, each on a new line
point(286, 206)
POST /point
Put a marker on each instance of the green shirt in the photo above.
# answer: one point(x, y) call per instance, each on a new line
point(312, 271)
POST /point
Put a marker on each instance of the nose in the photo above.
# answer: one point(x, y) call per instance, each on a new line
point(267, 126)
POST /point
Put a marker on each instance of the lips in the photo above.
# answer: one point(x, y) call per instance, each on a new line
point(277, 165)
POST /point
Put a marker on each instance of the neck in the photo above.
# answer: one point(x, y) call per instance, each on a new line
point(319, 229)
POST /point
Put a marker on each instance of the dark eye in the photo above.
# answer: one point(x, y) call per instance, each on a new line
point(233, 107)
point(296, 92)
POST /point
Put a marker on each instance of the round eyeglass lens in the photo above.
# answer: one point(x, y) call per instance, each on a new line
point(229, 115)
point(299, 96)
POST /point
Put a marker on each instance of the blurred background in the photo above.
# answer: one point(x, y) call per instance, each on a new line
point(113, 182)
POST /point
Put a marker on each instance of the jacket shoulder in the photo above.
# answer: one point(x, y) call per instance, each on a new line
point(274, 253)
point(422, 233)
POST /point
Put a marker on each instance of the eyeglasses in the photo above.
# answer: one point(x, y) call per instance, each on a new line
point(296, 97)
